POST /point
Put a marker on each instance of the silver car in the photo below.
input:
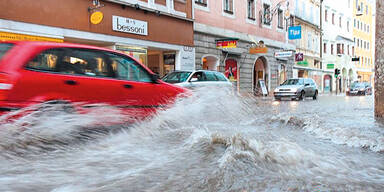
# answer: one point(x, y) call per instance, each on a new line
point(196, 79)
point(297, 88)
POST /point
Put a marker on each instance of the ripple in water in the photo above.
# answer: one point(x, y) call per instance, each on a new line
point(209, 142)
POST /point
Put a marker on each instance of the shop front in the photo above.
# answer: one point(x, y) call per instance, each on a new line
point(137, 31)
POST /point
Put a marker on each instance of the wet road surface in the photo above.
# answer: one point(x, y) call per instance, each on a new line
point(210, 142)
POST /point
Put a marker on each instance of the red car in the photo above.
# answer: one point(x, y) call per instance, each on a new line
point(38, 72)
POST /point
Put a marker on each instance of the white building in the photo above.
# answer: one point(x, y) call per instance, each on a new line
point(338, 46)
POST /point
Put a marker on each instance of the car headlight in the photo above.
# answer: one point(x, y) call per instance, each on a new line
point(276, 90)
point(362, 89)
point(294, 90)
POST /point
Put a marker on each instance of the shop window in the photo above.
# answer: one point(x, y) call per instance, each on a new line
point(201, 2)
point(169, 62)
point(228, 6)
point(251, 9)
point(280, 19)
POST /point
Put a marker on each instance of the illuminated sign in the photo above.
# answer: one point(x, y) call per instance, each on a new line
point(226, 43)
point(283, 54)
point(20, 37)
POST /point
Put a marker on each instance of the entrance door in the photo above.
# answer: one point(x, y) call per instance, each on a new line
point(327, 83)
point(259, 73)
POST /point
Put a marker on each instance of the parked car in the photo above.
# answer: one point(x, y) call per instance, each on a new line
point(360, 88)
point(38, 72)
point(200, 78)
point(297, 88)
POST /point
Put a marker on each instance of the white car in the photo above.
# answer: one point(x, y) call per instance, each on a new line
point(196, 79)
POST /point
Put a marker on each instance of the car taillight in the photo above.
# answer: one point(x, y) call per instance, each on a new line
point(5, 85)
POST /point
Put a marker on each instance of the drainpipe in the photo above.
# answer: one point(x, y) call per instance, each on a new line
point(321, 41)
point(379, 61)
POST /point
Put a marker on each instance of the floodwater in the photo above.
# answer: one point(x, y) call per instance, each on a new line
point(209, 142)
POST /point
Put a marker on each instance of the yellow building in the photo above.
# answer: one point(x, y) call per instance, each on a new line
point(363, 38)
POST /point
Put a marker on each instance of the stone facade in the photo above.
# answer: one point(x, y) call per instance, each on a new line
point(205, 45)
point(379, 67)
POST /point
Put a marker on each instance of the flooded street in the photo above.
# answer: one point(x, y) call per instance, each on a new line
point(210, 142)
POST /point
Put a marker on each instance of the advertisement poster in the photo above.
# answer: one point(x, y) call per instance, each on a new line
point(231, 69)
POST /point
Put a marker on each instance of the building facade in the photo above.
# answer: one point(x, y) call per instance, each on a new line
point(338, 46)
point(159, 33)
point(254, 34)
point(363, 29)
point(308, 65)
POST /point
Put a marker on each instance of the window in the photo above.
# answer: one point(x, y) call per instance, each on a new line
point(357, 4)
point(228, 6)
point(349, 3)
point(333, 18)
point(368, 47)
point(210, 76)
point(326, 15)
point(362, 7)
point(339, 49)
point(348, 49)
point(325, 48)
point(220, 76)
point(331, 49)
point(201, 2)
point(309, 41)
point(354, 23)
point(358, 24)
point(267, 16)
point(368, 28)
point(353, 50)
point(366, 9)
point(89, 63)
point(365, 27)
point(46, 61)
point(358, 43)
point(340, 21)
point(127, 69)
point(280, 19)
point(4, 47)
point(348, 26)
point(251, 9)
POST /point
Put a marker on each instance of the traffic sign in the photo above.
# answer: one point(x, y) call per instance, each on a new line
point(294, 32)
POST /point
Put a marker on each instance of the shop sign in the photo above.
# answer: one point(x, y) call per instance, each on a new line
point(330, 66)
point(96, 17)
point(299, 57)
point(303, 63)
point(256, 50)
point(230, 43)
point(128, 25)
point(283, 54)
point(20, 37)
point(294, 32)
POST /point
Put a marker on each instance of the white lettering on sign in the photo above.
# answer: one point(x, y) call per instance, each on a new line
point(128, 25)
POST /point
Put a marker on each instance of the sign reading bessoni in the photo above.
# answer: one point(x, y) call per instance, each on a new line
point(128, 25)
